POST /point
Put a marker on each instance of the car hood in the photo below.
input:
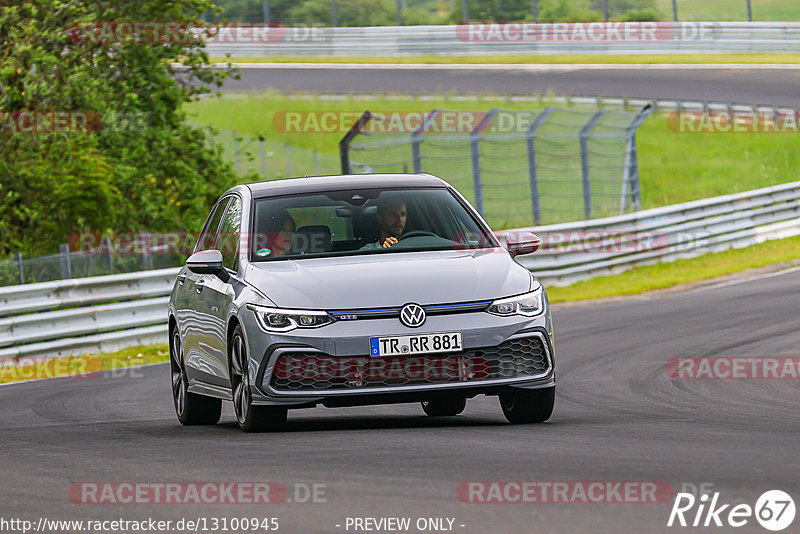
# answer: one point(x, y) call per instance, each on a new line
point(386, 280)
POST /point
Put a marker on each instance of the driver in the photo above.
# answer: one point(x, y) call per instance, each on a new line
point(391, 216)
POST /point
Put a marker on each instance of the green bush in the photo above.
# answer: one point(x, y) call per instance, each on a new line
point(148, 172)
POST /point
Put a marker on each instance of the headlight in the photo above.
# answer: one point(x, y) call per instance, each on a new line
point(281, 320)
point(529, 304)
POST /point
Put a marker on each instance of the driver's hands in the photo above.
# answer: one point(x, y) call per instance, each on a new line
point(389, 241)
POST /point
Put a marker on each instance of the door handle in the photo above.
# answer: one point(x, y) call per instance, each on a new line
point(199, 285)
point(181, 279)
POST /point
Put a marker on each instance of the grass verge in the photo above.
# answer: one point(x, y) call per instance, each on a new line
point(681, 272)
point(533, 59)
point(82, 367)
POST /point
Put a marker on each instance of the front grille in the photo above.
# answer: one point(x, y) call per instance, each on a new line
point(313, 371)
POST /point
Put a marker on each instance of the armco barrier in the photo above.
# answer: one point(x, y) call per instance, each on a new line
point(570, 252)
point(680, 37)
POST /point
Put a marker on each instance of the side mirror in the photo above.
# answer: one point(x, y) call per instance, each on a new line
point(518, 245)
point(207, 262)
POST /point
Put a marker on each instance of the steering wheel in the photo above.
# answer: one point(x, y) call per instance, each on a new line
point(417, 233)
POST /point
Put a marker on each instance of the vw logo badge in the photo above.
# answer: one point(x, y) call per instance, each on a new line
point(412, 315)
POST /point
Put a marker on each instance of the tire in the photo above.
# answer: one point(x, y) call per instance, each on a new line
point(522, 406)
point(250, 418)
point(191, 408)
point(444, 407)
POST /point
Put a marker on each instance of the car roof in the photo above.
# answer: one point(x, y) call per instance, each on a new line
point(315, 184)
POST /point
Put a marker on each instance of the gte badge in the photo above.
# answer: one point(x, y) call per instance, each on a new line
point(774, 510)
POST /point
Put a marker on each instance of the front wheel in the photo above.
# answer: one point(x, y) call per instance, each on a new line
point(444, 407)
point(528, 405)
point(191, 408)
point(251, 418)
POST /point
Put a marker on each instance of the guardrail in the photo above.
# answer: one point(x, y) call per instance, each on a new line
point(577, 251)
point(86, 315)
point(478, 39)
point(110, 312)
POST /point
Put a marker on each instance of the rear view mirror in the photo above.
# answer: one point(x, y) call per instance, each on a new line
point(517, 245)
point(207, 262)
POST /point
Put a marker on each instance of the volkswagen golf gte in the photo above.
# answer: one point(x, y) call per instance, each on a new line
point(356, 290)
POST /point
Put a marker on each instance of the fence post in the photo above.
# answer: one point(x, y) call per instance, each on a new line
point(631, 177)
point(530, 136)
point(605, 10)
point(18, 257)
point(416, 139)
point(534, 11)
point(316, 162)
point(147, 256)
point(344, 144)
point(586, 131)
point(334, 14)
point(105, 246)
point(474, 145)
point(749, 12)
point(464, 11)
point(237, 165)
point(399, 13)
point(288, 160)
point(263, 158)
point(675, 10)
point(66, 268)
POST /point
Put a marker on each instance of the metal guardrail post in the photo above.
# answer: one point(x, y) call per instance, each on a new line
point(474, 144)
point(416, 139)
point(530, 137)
point(66, 268)
point(18, 258)
point(344, 144)
point(630, 181)
point(584, 141)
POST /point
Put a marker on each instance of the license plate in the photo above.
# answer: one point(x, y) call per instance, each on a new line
point(421, 344)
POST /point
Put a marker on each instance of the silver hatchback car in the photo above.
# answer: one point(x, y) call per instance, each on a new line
point(356, 290)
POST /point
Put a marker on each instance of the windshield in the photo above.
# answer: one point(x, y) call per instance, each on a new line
point(357, 222)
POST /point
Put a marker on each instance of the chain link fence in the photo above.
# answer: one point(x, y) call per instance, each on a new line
point(102, 261)
point(518, 168)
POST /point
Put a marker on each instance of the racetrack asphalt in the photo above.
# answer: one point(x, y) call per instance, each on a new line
point(618, 417)
point(756, 85)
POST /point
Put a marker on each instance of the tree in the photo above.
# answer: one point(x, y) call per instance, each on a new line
point(135, 165)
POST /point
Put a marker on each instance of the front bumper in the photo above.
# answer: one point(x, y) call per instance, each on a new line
point(500, 345)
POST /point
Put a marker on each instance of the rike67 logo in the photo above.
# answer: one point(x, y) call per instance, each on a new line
point(774, 510)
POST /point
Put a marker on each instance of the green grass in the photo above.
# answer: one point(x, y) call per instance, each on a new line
point(702, 10)
point(617, 59)
point(687, 271)
point(84, 366)
point(674, 167)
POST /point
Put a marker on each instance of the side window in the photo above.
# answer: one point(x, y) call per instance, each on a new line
point(208, 237)
point(228, 242)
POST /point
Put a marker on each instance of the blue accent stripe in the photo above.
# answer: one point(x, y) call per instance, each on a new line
point(433, 307)
point(366, 311)
point(373, 347)
point(486, 303)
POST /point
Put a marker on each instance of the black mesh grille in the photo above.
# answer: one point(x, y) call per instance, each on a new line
point(311, 371)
